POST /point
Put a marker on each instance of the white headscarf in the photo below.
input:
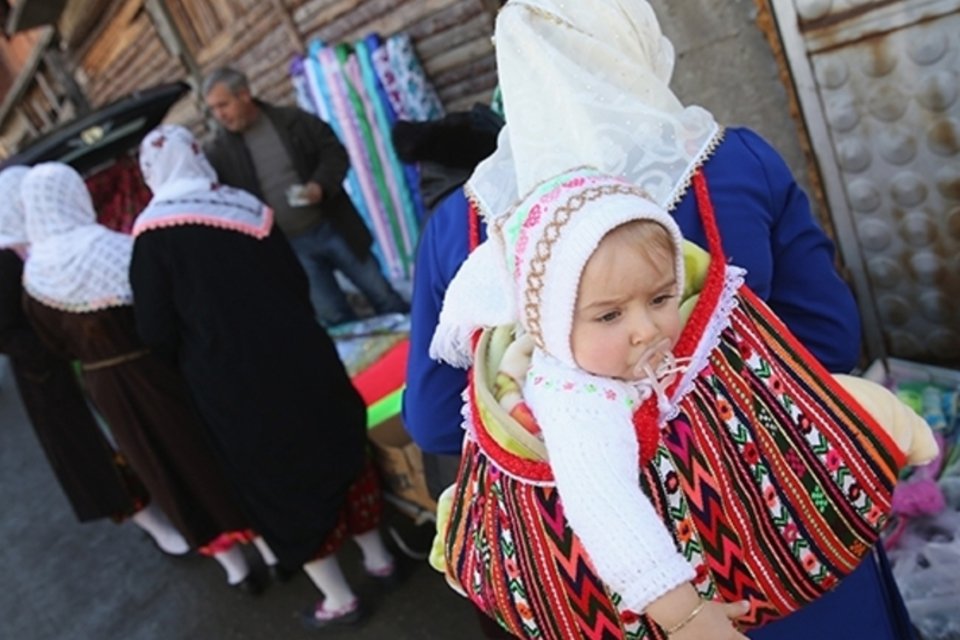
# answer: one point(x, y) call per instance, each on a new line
point(587, 83)
point(75, 264)
point(12, 231)
point(584, 83)
point(186, 191)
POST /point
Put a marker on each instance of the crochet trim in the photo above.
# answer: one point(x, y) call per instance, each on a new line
point(466, 413)
point(710, 148)
point(474, 200)
point(259, 232)
point(82, 306)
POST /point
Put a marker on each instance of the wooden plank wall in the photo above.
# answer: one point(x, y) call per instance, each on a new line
point(258, 45)
point(125, 54)
point(17, 132)
point(38, 110)
point(452, 37)
point(14, 52)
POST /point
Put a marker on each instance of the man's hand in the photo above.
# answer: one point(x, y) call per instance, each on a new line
point(313, 192)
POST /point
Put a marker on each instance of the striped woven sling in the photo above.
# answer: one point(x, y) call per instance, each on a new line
point(773, 481)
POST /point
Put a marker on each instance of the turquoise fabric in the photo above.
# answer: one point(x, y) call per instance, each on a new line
point(407, 209)
point(360, 91)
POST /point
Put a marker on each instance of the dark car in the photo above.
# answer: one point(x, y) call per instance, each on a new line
point(102, 146)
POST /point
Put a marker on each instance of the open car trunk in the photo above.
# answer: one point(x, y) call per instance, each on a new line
point(102, 147)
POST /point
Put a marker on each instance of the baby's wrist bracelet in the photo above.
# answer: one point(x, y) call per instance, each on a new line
point(690, 616)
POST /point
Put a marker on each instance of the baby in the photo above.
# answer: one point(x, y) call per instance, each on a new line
point(598, 276)
point(597, 273)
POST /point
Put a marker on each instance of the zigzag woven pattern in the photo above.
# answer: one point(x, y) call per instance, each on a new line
point(772, 480)
point(788, 486)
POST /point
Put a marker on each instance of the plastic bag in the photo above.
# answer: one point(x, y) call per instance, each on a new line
point(926, 565)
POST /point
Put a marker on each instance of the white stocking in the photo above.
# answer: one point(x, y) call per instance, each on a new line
point(265, 551)
point(376, 558)
point(152, 520)
point(234, 563)
point(328, 577)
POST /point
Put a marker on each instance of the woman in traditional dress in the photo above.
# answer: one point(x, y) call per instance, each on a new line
point(219, 291)
point(80, 303)
point(96, 480)
point(587, 83)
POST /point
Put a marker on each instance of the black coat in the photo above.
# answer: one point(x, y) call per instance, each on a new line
point(86, 466)
point(235, 313)
point(317, 156)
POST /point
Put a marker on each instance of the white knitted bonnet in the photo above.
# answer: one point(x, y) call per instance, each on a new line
point(529, 269)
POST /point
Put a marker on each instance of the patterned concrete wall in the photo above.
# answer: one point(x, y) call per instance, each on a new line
point(894, 118)
point(884, 93)
point(879, 86)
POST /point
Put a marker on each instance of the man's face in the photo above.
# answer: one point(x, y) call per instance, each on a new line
point(234, 111)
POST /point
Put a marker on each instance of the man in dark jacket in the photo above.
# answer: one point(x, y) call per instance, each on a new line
point(293, 161)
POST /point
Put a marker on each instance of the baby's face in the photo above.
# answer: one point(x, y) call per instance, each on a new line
point(627, 312)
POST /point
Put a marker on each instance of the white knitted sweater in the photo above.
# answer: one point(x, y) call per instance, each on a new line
point(588, 430)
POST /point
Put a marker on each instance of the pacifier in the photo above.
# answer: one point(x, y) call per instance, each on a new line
point(654, 359)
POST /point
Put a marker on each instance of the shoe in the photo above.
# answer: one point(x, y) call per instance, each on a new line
point(252, 585)
point(389, 577)
point(279, 573)
point(316, 617)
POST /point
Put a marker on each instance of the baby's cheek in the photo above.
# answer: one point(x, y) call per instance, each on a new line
point(673, 325)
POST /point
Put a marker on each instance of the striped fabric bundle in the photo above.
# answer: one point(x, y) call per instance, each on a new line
point(358, 90)
point(774, 482)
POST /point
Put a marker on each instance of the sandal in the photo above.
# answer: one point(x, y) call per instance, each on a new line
point(316, 617)
point(388, 576)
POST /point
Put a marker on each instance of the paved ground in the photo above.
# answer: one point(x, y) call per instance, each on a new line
point(60, 580)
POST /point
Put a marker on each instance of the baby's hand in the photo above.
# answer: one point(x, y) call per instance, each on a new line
point(714, 622)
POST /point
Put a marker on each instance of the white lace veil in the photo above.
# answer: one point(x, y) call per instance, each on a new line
point(186, 191)
point(587, 83)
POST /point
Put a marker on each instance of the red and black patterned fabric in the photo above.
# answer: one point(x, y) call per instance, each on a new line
point(119, 194)
point(361, 511)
